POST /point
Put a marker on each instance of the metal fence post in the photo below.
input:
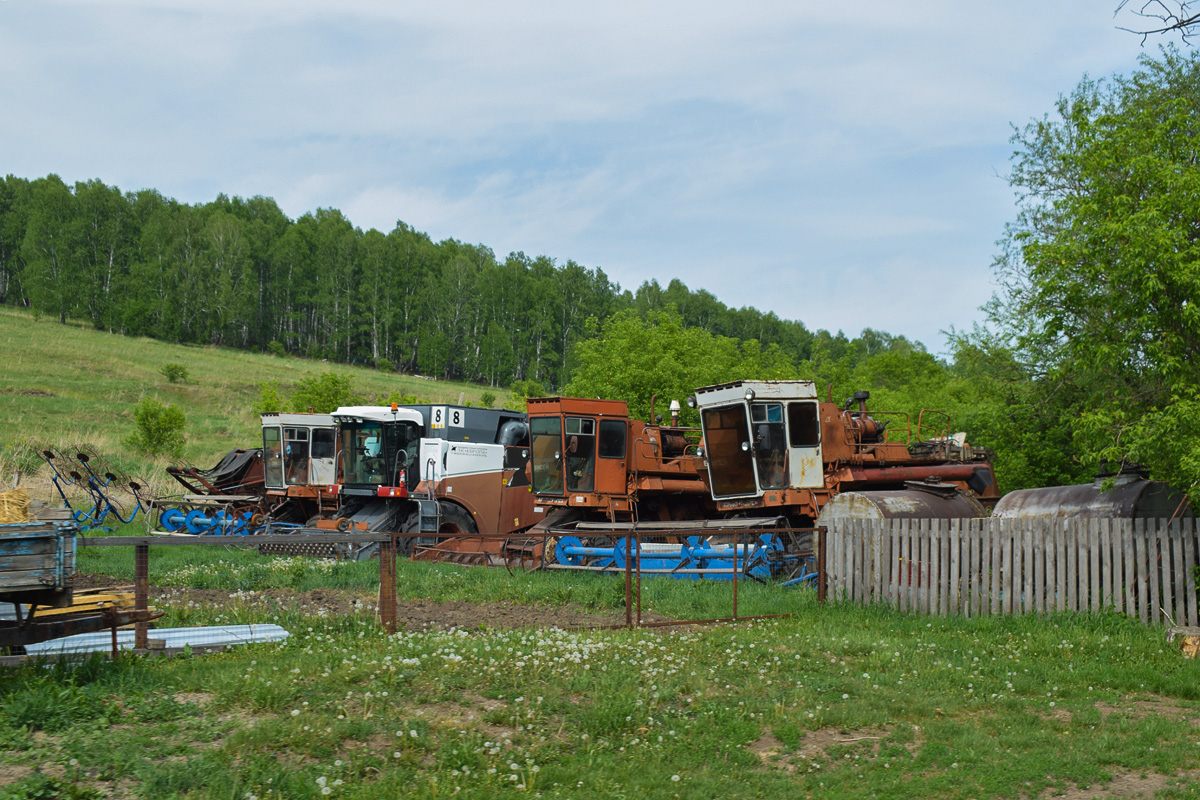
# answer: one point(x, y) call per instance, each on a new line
point(141, 594)
point(387, 584)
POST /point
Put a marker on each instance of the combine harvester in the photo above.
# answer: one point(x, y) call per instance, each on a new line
point(767, 461)
point(448, 472)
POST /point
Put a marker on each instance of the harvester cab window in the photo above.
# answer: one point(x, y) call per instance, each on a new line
point(272, 458)
point(546, 446)
point(322, 469)
point(804, 428)
point(581, 454)
point(727, 442)
point(295, 456)
point(770, 445)
point(362, 453)
point(612, 438)
point(322, 443)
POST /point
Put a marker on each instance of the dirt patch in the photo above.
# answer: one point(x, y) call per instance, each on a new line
point(10, 775)
point(1154, 707)
point(195, 698)
point(470, 713)
point(411, 615)
point(31, 392)
point(816, 744)
point(1123, 785)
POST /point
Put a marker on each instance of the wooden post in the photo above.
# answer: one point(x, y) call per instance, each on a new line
point(1180, 576)
point(1154, 568)
point(1189, 566)
point(1140, 548)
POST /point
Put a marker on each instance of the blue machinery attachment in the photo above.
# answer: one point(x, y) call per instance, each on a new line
point(199, 522)
point(98, 486)
point(763, 558)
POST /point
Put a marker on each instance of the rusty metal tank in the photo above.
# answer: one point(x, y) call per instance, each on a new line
point(920, 500)
point(1132, 497)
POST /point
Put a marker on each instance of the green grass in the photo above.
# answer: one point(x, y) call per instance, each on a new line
point(836, 701)
point(215, 567)
point(67, 384)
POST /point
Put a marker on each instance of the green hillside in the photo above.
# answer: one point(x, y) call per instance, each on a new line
point(64, 385)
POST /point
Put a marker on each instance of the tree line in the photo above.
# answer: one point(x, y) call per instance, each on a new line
point(238, 272)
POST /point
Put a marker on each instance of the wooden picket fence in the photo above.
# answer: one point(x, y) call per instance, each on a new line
point(1144, 568)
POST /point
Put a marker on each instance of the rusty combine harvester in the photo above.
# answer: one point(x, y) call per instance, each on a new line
point(768, 459)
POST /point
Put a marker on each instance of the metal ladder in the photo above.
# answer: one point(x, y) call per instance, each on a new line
point(428, 508)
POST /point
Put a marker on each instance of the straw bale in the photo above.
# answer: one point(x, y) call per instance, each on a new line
point(14, 507)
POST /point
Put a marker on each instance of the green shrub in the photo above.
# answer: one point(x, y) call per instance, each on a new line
point(175, 373)
point(487, 399)
point(383, 365)
point(323, 393)
point(269, 399)
point(523, 390)
point(399, 398)
point(159, 428)
point(276, 348)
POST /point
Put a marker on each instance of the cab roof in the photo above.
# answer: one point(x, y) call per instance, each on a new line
point(377, 414)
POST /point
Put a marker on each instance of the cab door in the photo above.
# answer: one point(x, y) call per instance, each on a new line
point(807, 471)
point(323, 467)
point(611, 448)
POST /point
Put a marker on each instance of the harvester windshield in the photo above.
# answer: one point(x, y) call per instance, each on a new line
point(379, 453)
point(546, 454)
point(727, 442)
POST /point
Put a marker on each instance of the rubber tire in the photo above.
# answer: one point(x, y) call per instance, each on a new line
point(456, 520)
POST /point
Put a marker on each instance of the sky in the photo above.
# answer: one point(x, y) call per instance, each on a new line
point(839, 164)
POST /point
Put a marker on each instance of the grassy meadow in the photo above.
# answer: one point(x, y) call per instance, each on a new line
point(69, 384)
point(835, 701)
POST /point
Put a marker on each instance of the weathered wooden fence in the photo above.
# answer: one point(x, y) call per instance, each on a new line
point(1144, 568)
